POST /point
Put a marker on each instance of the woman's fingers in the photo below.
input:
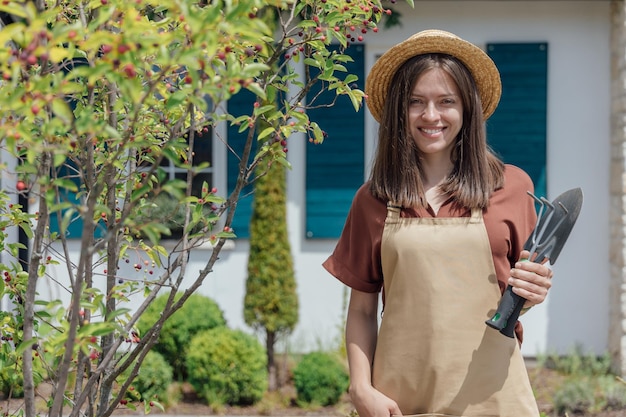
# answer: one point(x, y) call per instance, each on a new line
point(531, 281)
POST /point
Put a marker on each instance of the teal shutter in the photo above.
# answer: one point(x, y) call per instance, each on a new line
point(334, 169)
point(75, 227)
point(68, 170)
point(517, 129)
point(238, 105)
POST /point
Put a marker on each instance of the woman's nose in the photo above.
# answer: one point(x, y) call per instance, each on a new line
point(430, 112)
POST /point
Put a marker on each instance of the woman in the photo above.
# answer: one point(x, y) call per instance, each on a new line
point(439, 229)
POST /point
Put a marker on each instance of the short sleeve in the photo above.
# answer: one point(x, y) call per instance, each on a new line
point(355, 260)
point(509, 219)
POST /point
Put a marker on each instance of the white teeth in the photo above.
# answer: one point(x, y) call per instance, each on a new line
point(431, 131)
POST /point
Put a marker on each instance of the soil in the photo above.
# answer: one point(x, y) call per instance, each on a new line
point(283, 403)
point(544, 382)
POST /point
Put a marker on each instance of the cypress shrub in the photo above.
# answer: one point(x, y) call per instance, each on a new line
point(271, 301)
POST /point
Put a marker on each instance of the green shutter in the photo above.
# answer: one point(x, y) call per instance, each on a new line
point(517, 129)
point(238, 105)
point(75, 227)
point(334, 169)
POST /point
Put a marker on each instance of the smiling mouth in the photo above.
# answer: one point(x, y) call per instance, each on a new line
point(431, 131)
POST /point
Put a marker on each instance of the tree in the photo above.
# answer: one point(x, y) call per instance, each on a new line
point(271, 301)
point(95, 98)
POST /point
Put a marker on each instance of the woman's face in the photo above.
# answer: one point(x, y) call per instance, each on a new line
point(435, 113)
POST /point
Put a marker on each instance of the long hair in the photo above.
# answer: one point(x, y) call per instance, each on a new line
point(397, 169)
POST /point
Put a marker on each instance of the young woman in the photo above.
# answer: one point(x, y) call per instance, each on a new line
point(439, 229)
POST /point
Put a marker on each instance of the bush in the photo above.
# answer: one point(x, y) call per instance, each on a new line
point(12, 378)
point(197, 314)
point(579, 363)
point(12, 382)
point(613, 393)
point(320, 378)
point(154, 379)
point(227, 366)
point(576, 395)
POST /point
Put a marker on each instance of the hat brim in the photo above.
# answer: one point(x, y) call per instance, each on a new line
point(480, 65)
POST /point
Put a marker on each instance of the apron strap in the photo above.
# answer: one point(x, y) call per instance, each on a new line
point(393, 212)
point(477, 215)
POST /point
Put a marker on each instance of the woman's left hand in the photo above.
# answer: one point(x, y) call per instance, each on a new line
point(530, 280)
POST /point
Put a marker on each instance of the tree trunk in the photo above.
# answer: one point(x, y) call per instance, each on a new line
point(271, 362)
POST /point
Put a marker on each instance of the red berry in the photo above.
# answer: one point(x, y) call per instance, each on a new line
point(129, 69)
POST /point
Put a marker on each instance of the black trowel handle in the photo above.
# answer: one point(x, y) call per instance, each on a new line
point(508, 312)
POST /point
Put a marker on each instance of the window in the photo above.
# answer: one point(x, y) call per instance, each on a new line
point(240, 104)
point(202, 153)
point(517, 129)
point(335, 168)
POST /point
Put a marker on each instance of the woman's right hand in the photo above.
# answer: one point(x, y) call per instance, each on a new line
point(369, 402)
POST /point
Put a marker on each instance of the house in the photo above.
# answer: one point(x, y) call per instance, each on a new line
point(561, 118)
point(567, 128)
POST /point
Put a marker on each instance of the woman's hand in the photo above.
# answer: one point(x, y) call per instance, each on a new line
point(369, 402)
point(530, 280)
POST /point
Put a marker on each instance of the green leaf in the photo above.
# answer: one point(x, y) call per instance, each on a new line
point(24, 345)
point(266, 132)
point(66, 183)
point(27, 230)
point(176, 99)
point(356, 101)
point(11, 9)
point(117, 312)
point(256, 89)
point(58, 159)
point(61, 110)
point(138, 193)
point(95, 329)
point(263, 109)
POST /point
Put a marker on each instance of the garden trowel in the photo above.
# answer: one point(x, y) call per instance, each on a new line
point(555, 221)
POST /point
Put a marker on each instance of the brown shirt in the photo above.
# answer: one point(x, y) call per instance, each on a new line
point(509, 219)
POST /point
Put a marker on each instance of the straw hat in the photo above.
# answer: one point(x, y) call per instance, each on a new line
point(478, 62)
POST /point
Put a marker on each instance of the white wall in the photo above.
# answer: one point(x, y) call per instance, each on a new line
point(577, 33)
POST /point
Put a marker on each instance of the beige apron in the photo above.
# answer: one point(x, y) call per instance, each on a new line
point(435, 355)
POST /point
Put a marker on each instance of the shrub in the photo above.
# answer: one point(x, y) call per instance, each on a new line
point(12, 378)
point(576, 395)
point(197, 314)
point(227, 366)
point(579, 363)
point(12, 382)
point(154, 378)
point(320, 378)
point(612, 392)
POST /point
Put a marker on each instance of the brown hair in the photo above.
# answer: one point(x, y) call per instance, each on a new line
point(396, 174)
